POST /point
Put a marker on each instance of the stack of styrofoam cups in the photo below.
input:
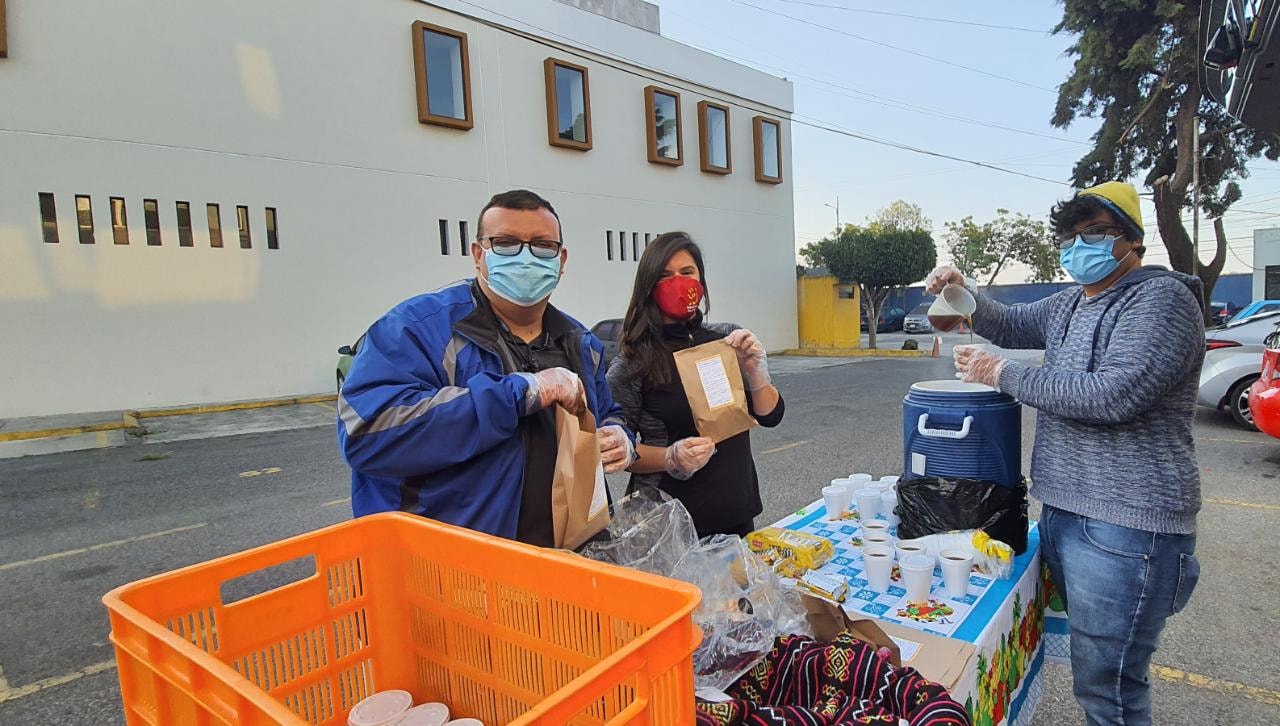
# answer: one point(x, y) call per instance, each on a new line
point(837, 497)
point(888, 502)
point(956, 567)
point(917, 576)
point(428, 714)
point(860, 481)
point(868, 503)
point(908, 547)
point(381, 709)
point(890, 482)
point(877, 566)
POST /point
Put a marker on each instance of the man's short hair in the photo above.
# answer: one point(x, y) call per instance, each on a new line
point(1067, 214)
point(522, 199)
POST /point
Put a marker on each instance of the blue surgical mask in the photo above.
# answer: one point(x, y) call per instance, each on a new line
point(522, 279)
point(1090, 262)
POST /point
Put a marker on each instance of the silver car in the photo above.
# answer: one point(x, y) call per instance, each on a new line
point(1232, 362)
point(917, 321)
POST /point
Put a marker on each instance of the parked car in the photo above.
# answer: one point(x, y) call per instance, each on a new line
point(346, 354)
point(1222, 312)
point(1258, 307)
point(890, 319)
point(1264, 394)
point(609, 332)
point(1232, 362)
point(917, 321)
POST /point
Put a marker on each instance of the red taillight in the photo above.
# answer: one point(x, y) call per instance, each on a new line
point(1218, 344)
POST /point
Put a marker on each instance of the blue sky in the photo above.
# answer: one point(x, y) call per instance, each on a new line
point(855, 84)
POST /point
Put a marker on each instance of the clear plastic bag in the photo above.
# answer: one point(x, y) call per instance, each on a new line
point(648, 531)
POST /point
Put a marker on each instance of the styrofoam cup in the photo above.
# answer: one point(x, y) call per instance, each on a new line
point(428, 714)
point(917, 576)
point(875, 525)
point(889, 501)
point(956, 568)
point(380, 709)
point(466, 722)
point(878, 486)
point(907, 547)
point(877, 538)
point(860, 481)
point(877, 566)
point(890, 481)
point(868, 503)
point(837, 500)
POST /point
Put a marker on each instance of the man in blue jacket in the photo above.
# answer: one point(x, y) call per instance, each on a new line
point(448, 410)
point(1114, 462)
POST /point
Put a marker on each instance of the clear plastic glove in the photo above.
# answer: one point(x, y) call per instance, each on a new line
point(751, 355)
point(685, 457)
point(559, 386)
point(978, 366)
point(943, 276)
point(616, 450)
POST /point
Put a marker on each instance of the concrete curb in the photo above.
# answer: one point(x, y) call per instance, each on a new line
point(132, 419)
point(856, 353)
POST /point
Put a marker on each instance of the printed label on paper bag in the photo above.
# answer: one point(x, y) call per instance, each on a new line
point(715, 382)
point(600, 497)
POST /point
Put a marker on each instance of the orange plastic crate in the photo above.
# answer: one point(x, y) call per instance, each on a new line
point(500, 631)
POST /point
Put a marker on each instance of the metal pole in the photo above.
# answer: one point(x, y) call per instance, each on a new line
point(1195, 193)
point(837, 216)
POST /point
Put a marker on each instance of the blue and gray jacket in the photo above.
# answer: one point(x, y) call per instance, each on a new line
point(428, 415)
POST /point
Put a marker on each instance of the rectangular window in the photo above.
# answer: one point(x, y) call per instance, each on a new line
point(768, 143)
point(462, 237)
point(215, 226)
point(608, 244)
point(4, 36)
point(713, 137)
point(444, 236)
point(663, 126)
point(184, 225)
point(635, 246)
point(84, 218)
point(568, 104)
point(647, 236)
point(242, 221)
point(48, 218)
point(273, 235)
point(151, 218)
point(1271, 282)
point(622, 246)
point(443, 74)
point(119, 222)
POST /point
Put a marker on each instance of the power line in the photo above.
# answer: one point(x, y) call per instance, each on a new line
point(895, 47)
point(915, 17)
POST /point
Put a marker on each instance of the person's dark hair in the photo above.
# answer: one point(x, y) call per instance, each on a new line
point(517, 199)
point(1069, 213)
point(641, 342)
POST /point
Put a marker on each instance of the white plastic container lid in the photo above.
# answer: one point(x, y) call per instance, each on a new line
point(428, 714)
point(466, 722)
point(380, 709)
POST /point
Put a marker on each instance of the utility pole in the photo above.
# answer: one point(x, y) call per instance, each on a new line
point(1195, 193)
point(837, 208)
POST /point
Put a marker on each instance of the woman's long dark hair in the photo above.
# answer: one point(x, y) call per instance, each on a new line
point(641, 342)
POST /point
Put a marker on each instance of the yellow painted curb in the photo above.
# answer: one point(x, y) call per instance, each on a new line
point(857, 353)
point(65, 431)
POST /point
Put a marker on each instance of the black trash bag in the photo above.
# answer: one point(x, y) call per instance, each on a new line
point(933, 505)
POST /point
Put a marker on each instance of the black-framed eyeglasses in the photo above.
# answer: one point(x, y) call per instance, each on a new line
point(502, 246)
point(1091, 235)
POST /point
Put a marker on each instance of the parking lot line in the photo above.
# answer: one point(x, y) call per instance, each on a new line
point(336, 502)
point(1230, 688)
point(10, 694)
point(783, 447)
point(99, 546)
point(1234, 503)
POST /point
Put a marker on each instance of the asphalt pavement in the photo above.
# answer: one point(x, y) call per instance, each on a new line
point(75, 525)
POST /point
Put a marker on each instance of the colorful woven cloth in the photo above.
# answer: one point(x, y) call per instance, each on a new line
point(803, 682)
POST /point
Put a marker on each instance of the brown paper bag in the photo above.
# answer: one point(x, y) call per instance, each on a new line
point(827, 620)
point(713, 383)
point(579, 498)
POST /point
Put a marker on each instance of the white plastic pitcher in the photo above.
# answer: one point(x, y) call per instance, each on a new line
point(953, 304)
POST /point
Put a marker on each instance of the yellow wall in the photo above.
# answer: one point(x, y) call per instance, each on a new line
point(826, 319)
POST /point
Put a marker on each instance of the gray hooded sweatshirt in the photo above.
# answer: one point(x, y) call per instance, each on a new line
point(1116, 396)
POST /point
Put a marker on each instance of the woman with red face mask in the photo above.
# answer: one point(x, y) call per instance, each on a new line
point(716, 482)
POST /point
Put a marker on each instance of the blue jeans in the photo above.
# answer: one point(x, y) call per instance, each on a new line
point(1120, 585)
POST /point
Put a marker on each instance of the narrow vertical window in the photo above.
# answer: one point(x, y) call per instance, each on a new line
point(48, 218)
point(84, 218)
point(273, 235)
point(608, 244)
point(119, 221)
point(713, 137)
point(768, 143)
point(215, 226)
point(444, 236)
point(184, 225)
point(647, 237)
point(663, 127)
point(4, 34)
point(151, 218)
point(622, 246)
point(635, 246)
point(463, 239)
point(443, 74)
point(568, 104)
point(242, 222)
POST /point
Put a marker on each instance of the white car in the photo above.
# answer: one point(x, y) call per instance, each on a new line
point(1232, 362)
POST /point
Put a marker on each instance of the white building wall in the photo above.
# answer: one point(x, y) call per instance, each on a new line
point(308, 106)
point(1266, 253)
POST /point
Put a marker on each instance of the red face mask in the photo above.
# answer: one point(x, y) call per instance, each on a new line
point(678, 296)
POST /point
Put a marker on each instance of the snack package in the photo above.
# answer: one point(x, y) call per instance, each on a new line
point(830, 587)
point(807, 551)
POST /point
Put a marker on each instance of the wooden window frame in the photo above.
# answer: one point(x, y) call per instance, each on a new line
point(420, 77)
point(757, 125)
point(704, 142)
point(650, 103)
point(553, 107)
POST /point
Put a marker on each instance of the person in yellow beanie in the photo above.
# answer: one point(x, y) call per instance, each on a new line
point(1114, 461)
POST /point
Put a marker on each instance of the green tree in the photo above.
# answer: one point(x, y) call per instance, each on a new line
point(877, 259)
point(983, 250)
point(901, 215)
point(1136, 68)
